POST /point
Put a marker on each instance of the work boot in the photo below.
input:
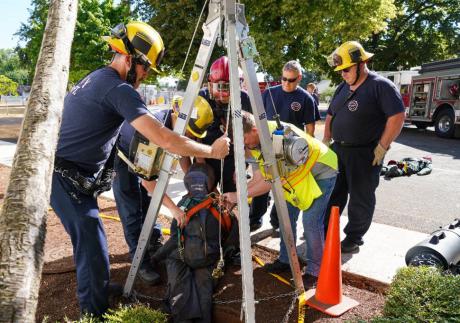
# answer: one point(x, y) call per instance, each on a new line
point(254, 226)
point(148, 275)
point(276, 233)
point(115, 290)
point(276, 267)
point(309, 281)
point(348, 246)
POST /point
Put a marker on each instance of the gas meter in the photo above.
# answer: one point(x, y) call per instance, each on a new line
point(145, 158)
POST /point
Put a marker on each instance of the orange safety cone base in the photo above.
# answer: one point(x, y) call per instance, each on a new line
point(332, 310)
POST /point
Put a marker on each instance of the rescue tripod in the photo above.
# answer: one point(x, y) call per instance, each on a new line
point(239, 47)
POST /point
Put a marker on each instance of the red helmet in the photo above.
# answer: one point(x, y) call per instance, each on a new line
point(219, 86)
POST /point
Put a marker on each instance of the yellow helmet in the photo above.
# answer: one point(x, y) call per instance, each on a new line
point(140, 40)
point(201, 116)
point(348, 54)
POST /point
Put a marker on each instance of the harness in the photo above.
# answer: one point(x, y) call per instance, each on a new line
point(211, 203)
point(84, 182)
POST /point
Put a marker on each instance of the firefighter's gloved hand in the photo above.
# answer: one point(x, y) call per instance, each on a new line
point(379, 154)
point(220, 147)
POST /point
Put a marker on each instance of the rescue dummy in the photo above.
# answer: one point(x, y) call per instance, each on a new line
point(195, 254)
point(407, 167)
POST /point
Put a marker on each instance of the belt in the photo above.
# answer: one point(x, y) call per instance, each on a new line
point(353, 145)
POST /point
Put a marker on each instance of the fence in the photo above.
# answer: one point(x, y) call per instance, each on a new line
point(12, 101)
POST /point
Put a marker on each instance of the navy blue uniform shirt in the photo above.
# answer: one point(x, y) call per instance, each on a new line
point(214, 131)
point(93, 113)
point(297, 107)
point(361, 119)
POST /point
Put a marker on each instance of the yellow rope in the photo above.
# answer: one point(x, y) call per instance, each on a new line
point(108, 217)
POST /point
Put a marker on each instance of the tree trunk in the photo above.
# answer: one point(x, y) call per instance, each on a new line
point(24, 213)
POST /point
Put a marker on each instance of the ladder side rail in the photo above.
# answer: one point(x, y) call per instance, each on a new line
point(210, 29)
point(260, 117)
point(240, 165)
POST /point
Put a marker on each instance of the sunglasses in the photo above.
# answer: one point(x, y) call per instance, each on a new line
point(285, 79)
point(345, 70)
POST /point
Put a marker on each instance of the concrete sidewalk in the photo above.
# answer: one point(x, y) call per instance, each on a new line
point(378, 260)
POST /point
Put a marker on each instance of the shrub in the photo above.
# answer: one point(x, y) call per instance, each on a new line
point(422, 294)
point(129, 314)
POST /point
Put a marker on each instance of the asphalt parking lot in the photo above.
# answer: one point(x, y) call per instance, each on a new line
point(421, 203)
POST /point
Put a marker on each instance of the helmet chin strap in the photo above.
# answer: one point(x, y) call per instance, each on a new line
point(358, 73)
point(131, 77)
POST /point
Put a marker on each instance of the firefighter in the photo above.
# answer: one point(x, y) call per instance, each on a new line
point(93, 113)
point(307, 187)
point(132, 198)
point(365, 115)
point(217, 93)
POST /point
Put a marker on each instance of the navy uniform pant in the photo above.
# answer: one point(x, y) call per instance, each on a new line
point(79, 213)
point(132, 203)
point(356, 183)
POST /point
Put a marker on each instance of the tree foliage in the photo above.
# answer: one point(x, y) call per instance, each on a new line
point(89, 51)
point(7, 86)
point(283, 30)
point(11, 66)
point(422, 31)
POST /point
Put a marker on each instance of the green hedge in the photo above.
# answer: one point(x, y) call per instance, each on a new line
point(130, 314)
point(422, 294)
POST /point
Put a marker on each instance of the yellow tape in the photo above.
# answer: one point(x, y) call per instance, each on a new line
point(302, 305)
point(166, 231)
point(281, 279)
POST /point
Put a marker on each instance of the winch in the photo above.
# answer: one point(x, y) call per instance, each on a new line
point(291, 150)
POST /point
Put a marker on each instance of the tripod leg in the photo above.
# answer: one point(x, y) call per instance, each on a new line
point(210, 29)
point(247, 51)
point(240, 170)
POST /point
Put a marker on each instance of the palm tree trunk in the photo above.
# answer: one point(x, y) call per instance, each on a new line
point(23, 217)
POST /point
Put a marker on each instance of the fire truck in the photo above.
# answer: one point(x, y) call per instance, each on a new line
point(402, 80)
point(434, 98)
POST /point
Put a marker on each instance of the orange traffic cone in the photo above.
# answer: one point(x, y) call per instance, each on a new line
point(327, 297)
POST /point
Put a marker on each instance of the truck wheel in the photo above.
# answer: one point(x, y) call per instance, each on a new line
point(420, 125)
point(444, 125)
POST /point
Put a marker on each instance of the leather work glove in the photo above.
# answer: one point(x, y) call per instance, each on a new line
point(379, 154)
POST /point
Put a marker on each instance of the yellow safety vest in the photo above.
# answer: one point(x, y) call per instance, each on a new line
point(300, 187)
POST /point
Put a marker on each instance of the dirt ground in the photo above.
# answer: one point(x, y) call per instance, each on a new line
point(57, 296)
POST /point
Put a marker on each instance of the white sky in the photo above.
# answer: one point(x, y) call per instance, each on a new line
point(13, 13)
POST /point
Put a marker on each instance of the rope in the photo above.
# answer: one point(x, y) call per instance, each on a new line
point(191, 42)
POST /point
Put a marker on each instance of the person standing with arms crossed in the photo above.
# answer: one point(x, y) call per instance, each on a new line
point(365, 116)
